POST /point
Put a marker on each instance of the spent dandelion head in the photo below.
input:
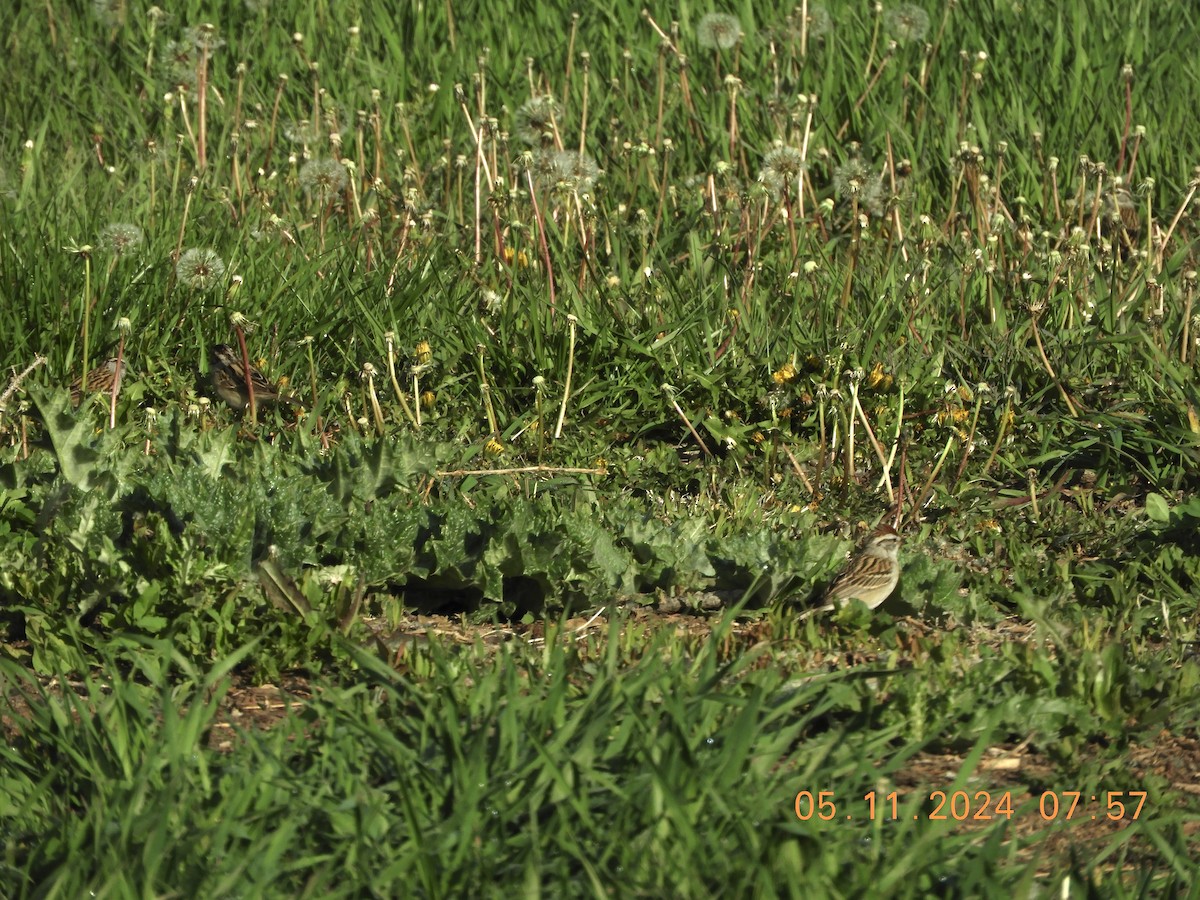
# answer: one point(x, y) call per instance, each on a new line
point(303, 131)
point(781, 170)
point(535, 120)
point(820, 23)
point(119, 239)
point(199, 269)
point(324, 177)
point(718, 31)
point(178, 64)
point(204, 37)
point(907, 23)
point(851, 178)
point(579, 170)
point(566, 171)
point(110, 13)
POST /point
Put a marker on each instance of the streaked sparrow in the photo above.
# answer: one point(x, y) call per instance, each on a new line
point(228, 377)
point(870, 575)
point(98, 381)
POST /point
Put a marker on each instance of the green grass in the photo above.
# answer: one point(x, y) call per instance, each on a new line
point(531, 391)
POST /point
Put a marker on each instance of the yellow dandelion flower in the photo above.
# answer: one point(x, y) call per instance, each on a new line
point(784, 374)
point(520, 257)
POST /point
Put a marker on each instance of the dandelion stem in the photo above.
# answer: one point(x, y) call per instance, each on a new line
point(450, 25)
point(848, 459)
point(670, 392)
point(116, 385)
point(187, 125)
point(1158, 263)
point(252, 405)
point(585, 66)
point(562, 410)
point(878, 447)
point(486, 390)
point(391, 358)
point(202, 108)
point(934, 474)
point(1187, 320)
point(1037, 338)
point(537, 216)
point(896, 441)
point(87, 309)
point(662, 91)
point(570, 60)
point(183, 220)
point(373, 399)
point(803, 29)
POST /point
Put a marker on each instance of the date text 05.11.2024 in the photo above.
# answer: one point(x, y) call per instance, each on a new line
point(977, 806)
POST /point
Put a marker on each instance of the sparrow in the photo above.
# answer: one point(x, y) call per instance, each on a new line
point(870, 575)
point(229, 379)
point(98, 381)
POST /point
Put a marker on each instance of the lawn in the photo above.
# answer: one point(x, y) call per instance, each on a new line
point(585, 346)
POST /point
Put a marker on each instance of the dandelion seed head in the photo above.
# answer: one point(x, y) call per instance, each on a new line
point(907, 23)
point(119, 238)
point(110, 13)
point(782, 168)
point(565, 170)
point(204, 37)
point(535, 120)
point(787, 161)
point(323, 176)
point(718, 31)
point(178, 64)
point(199, 269)
point(772, 183)
point(852, 178)
point(302, 131)
point(820, 23)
